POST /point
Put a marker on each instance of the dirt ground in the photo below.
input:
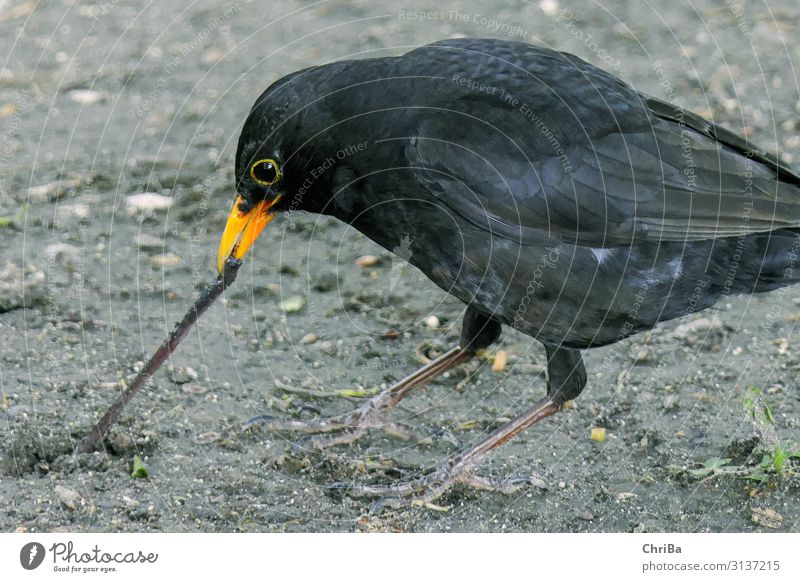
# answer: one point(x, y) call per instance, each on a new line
point(101, 101)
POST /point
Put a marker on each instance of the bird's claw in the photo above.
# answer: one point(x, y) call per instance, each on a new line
point(428, 488)
point(421, 492)
point(335, 430)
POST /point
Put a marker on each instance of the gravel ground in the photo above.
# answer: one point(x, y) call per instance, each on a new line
point(102, 101)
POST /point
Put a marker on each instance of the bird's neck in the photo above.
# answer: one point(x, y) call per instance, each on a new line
point(370, 189)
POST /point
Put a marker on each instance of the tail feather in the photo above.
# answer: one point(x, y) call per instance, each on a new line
point(770, 261)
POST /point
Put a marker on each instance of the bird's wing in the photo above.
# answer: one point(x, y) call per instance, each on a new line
point(651, 171)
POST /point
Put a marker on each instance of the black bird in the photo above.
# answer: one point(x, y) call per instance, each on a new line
point(544, 193)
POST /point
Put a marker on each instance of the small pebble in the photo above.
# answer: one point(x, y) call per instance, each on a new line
point(767, 517)
point(598, 434)
point(293, 304)
point(69, 498)
point(147, 201)
point(166, 260)
point(18, 412)
point(537, 482)
point(328, 347)
point(549, 7)
point(61, 252)
point(500, 361)
point(120, 441)
point(213, 55)
point(182, 375)
point(52, 190)
point(432, 322)
point(20, 288)
point(86, 97)
point(147, 241)
point(78, 210)
point(191, 388)
point(367, 261)
point(309, 338)
point(671, 403)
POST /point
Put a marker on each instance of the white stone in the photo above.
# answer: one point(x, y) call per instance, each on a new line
point(147, 201)
point(86, 97)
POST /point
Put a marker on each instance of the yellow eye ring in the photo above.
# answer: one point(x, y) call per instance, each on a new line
point(265, 172)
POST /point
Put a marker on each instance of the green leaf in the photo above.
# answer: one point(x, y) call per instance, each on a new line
point(768, 414)
point(358, 393)
point(778, 458)
point(757, 475)
point(749, 399)
point(139, 470)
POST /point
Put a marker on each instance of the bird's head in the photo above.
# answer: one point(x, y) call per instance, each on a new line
point(272, 161)
point(261, 180)
point(302, 141)
point(260, 185)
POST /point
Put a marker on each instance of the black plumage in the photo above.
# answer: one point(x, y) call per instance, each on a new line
point(544, 193)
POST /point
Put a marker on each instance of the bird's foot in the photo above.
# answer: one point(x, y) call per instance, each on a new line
point(347, 428)
point(422, 492)
point(456, 469)
point(341, 429)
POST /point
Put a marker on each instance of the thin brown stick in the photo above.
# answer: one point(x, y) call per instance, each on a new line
point(209, 295)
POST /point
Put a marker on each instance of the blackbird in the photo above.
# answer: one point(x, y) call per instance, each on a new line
point(545, 193)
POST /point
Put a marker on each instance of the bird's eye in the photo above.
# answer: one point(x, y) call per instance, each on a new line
point(265, 172)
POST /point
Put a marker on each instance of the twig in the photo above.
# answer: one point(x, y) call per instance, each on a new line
point(209, 295)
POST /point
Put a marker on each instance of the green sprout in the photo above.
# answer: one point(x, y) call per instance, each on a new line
point(776, 453)
point(139, 470)
point(776, 460)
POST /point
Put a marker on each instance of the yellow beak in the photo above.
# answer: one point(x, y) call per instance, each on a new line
point(242, 229)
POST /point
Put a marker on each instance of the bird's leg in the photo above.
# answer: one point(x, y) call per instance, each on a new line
point(566, 379)
point(456, 469)
point(351, 425)
point(478, 331)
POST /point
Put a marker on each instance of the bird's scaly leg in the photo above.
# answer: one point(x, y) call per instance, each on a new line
point(566, 378)
point(456, 469)
point(372, 414)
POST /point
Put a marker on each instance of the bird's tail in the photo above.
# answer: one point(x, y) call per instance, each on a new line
point(771, 260)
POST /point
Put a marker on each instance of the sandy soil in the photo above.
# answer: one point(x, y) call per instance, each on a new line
point(100, 101)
